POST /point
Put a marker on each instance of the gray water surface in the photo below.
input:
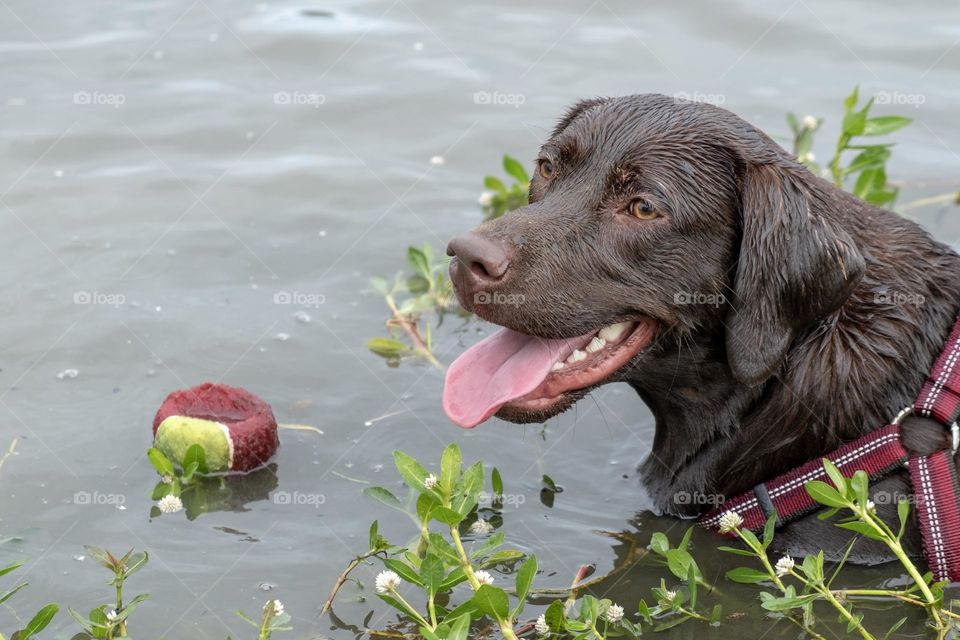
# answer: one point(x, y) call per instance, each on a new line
point(168, 167)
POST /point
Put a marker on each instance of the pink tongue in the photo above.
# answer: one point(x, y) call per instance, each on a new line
point(496, 370)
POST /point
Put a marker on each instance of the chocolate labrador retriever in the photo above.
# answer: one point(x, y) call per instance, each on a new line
point(762, 314)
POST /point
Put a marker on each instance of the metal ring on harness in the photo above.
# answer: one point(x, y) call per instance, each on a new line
point(954, 428)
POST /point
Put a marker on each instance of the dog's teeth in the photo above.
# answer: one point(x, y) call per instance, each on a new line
point(596, 344)
point(577, 356)
point(613, 332)
point(557, 366)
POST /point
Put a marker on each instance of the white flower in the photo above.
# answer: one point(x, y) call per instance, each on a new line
point(541, 626)
point(430, 481)
point(277, 608)
point(784, 565)
point(166, 479)
point(871, 507)
point(111, 615)
point(809, 157)
point(669, 596)
point(481, 527)
point(730, 521)
point(387, 581)
point(170, 504)
point(809, 122)
point(614, 614)
point(485, 199)
point(484, 577)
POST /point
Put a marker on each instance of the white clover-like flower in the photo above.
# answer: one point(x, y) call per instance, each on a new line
point(387, 581)
point(871, 507)
point(111, 615)
point(485, 199)
point(614, 614)
point(484, 577)
point(170, 504)
point(277, 608)
point(166, 479)
point(669, 596)
point(809, 156)
point(430, 481)
point(481, 527)
point(784, 566)
point(730, 521)
point(541, 626)
point(809, 122)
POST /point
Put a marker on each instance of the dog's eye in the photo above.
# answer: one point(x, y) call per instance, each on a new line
point(643, 210)
point(545, 169)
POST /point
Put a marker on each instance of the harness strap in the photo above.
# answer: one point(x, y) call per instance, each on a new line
point(878, 453)
point(934, 477)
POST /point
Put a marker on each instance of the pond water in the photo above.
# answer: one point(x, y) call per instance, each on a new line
point(168, 167)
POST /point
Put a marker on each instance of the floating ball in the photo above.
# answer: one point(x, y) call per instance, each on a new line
point(236, 429)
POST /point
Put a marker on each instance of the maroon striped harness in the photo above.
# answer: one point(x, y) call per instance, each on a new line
point(934, 477)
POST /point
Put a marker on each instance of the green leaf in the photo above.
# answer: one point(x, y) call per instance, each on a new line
point(496, 482)
point(10, 567)
point(659, 543)
point(383, 495)
point(446, 516)
point(196, 455)
point(417, 284)
point(450, 466)
point(413, 473)
point(504, 555)
point(851, 101)
point(419, 261)
point(680, 562)
point(555, 617)
point(893, 629)
point(403, 570)
point(860, 483)
point(39, 622)
point(468, 489)
point(862, 528)
point(432, 572)
point(882, 125)
point(786, 603)
point(374, 535)
point(515, 170)
point(745, 575)
point(739, 552)
point(524, 579)
point(488, 545)
point(387, 347)
point(160, 462)
point(692, 584)
point(9, 594)
point(824, 494)
point(838, 479)
point(459, 628)
point(769, 528)
point(494, 184)
point(854, 123)
point(492, 601)
point(903, 512)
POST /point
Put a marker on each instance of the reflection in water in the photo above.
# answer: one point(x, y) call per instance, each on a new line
point(226, 492)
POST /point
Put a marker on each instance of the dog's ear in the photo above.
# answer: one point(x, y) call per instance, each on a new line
point(795, 267)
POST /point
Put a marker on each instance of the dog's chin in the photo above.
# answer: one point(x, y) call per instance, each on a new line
point(561, 389)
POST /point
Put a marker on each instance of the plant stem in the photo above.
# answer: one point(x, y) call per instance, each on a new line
point(506, 626)
point(413, 612)
point(342, 579)
point(894, 545)
point(410, 328)
point(849, 617)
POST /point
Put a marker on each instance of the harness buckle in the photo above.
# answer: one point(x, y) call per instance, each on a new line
point(954, 428)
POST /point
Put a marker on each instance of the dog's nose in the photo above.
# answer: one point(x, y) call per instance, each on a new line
point(486, 259)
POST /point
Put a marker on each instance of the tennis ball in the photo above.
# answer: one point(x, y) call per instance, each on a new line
point(176, 434)
point(236, 429)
